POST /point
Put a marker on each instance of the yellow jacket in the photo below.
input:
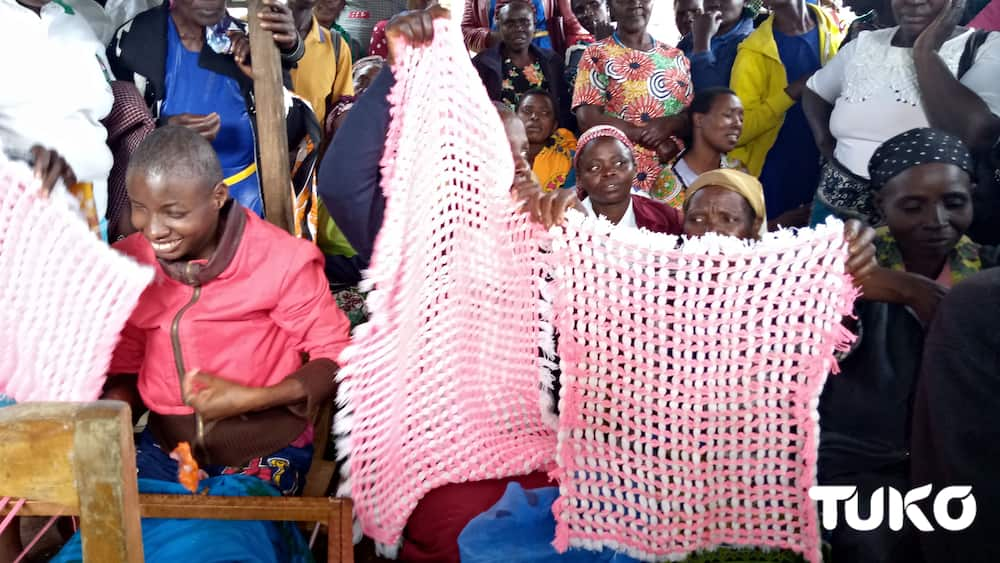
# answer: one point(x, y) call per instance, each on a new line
point(759, 80)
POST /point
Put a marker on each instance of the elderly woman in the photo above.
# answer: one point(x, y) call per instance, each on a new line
point(190, 60)
point(639, 85)
point(550, 148)
point(923, 188)
point(872, 91)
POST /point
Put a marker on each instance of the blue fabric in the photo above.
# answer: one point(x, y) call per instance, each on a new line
point(193, 89)
point(713, 68)
point(350, 175)
point(543, 42)
point(211, 541)
point(820, 212)
point(285, 469)
point(791, 171)
point(520, 527)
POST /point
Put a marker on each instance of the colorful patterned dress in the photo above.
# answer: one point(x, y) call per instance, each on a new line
point(518, 80)
point(638, 86)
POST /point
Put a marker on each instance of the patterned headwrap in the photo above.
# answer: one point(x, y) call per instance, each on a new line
point(734, 181)
point(597, 132)
point(916, 147)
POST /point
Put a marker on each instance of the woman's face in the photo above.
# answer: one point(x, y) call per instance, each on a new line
point(731, 10)
point(684, 13)
point(518, 140)
point(590, 13)
point(606, 170)
point(927, 208)
point(717, 210)
point(517, 26)
point(913, 16)
point(722, 126)
point(632, 15)
point(202, 12)
point(539, 117)
point(327, 11)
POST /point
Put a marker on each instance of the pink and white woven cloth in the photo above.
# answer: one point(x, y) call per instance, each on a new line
point(442, 384)
point(690, 379)
point(64, 296)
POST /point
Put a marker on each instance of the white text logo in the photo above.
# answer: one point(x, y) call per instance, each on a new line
point(898, 506)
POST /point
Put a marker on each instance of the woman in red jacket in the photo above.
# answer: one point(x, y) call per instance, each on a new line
point(217, 341)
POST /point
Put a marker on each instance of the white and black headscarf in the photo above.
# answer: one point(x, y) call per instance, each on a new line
point(916, 147)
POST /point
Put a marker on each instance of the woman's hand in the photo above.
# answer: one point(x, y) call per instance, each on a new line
point(861, 261)
point(214, 397)
point(941, 29)
point(277, 18)
point(546, 209)
point(656, 131)
point(205, 125)
point(705, 27)
point(50, 166)
point(415, 28)
point(241, 51)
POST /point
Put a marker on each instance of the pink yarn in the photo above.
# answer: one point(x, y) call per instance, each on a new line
point(690, 379)
point(442, 384)
point(64, 296)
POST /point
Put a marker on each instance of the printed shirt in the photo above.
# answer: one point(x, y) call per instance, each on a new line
point(638, 86)
point(518, 80)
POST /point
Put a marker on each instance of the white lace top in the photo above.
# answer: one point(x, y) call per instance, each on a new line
point(873, 87)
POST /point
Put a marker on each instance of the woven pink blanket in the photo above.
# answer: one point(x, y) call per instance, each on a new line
point(442, 384)
point(689, 387)
point(64, 296)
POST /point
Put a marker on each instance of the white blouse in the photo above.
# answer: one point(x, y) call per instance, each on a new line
point(873, 88)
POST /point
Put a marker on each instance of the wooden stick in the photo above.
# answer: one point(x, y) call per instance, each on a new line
point(272, 136)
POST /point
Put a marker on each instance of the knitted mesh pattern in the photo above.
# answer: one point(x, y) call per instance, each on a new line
point(442, 384)
point(690, 383)
point(64, 296)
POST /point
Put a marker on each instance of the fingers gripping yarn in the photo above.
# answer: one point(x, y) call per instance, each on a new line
point(690, 379)
point(64, 296)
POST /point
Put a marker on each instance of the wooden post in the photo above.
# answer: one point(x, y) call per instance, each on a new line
point(272, 136)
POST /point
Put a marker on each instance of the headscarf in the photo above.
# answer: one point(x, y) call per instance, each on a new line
point(916, 147)
point(734, 181)
point(554, 163)
point(597, 132)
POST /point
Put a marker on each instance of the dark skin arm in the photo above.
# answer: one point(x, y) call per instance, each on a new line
point(903, 288)
point(949, 104)
point(590, 115)
point(818, 111)
point(124, 387)
point(214, 397)
point(50, 167)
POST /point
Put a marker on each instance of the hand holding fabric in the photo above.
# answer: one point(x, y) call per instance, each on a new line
point(415, 28)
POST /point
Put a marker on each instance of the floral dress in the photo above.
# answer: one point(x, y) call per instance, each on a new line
point(518, 80)
point(638, 86)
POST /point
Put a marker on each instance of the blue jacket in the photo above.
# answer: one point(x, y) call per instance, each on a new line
point(350, 178)
point(712, 68)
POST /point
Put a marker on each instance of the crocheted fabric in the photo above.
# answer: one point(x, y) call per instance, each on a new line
point(690, 379)
point(64, 296)
point(442, 384)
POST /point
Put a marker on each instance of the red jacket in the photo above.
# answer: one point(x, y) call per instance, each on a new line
point(657, 216)
point(249, 314)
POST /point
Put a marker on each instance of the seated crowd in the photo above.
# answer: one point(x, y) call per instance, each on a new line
point(755, 121)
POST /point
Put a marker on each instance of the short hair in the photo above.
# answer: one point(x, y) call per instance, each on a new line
point(704, 99)
point(174, 151)
point(536, 91)
point(503, 109)
point(530, 6)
